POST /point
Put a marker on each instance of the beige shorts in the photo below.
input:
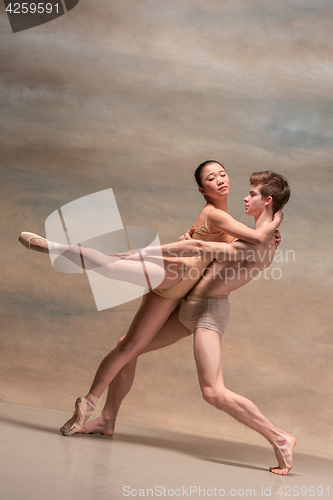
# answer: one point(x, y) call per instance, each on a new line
point(201, 312)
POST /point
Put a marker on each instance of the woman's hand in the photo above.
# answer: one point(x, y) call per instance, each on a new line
point(137, 255)
point(277, 238)
point(278, 217)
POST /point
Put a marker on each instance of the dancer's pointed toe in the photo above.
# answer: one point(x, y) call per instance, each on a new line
point(39, 244)
point(81, 414)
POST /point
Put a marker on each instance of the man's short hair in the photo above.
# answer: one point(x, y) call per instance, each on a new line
point(274, 185)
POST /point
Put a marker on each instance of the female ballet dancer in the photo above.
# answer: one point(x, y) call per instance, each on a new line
point(205, 312)
point(213, 223)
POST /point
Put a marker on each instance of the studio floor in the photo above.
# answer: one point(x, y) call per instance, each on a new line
point(37, 462)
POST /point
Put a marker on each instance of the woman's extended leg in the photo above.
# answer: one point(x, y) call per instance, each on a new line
point(162, 273)
point(149, 319)
point(171, 332)
point(208, 357)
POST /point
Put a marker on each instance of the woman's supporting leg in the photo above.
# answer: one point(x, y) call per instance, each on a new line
point(117, 391)
point(170, 333)
point(149, 319)
point(208, 357)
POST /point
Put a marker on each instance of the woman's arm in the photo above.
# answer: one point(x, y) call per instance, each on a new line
point(238, 250)
point(218, 220)
point(184, 248)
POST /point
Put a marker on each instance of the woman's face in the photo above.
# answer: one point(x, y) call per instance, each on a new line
point(215, 181)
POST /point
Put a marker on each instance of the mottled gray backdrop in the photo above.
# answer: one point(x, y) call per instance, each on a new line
point(133, 95)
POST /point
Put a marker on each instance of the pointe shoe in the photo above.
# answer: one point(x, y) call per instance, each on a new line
point(81, 412)
point(25, 239)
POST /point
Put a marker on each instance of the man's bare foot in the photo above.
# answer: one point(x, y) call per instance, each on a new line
point(98, 426)
point(284, 454)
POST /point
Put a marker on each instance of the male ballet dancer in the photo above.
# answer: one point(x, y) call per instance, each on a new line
point(205, 313)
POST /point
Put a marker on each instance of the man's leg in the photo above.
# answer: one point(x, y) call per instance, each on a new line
point(208, 357)
point(170, 333)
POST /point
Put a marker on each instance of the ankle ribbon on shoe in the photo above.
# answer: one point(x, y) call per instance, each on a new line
point(86, 400)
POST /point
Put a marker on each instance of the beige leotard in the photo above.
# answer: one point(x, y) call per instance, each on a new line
point(194, 266)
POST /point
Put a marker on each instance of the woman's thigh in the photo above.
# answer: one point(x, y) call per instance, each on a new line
point(151, 272)
point(170, 333)
point(151, 316)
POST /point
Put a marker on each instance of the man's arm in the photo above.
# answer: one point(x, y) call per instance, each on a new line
point(224, 252)
point(186, 236)
point(235, 251)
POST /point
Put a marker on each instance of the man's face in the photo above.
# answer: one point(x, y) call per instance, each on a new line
point(254, 203)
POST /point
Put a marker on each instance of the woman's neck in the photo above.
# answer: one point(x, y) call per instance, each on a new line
point(221, 204)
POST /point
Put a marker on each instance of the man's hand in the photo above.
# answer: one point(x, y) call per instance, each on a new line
point(186, 236)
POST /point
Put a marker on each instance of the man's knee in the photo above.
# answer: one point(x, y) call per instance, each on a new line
point(215, 396)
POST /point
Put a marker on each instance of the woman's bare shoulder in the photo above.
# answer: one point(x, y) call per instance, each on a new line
point(203, 216)
point(216, 215)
